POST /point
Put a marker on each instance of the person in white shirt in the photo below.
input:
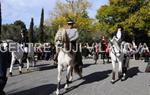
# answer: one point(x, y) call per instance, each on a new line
point(119, 35)
point(72, 33)
point(73, 36)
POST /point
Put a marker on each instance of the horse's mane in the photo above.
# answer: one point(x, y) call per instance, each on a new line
point(62, 32)
point(64, 36)
point(115, 44)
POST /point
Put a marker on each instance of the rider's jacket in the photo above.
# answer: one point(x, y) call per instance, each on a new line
point(118, 36)
point(73, 34)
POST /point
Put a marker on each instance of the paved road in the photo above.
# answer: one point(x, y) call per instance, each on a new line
point(96, 81)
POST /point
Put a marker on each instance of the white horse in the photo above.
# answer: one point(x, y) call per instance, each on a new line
point(120, 56)
point(66, 59)
point(17, 52)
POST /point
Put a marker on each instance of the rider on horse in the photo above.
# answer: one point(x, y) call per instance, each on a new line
point(73, 35)
point(24, 41)
point(119, 37)
point(68, 54)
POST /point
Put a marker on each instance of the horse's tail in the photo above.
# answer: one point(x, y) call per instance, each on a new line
point(79, 64)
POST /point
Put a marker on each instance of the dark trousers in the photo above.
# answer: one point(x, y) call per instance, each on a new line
point(5, 60)
point(3, 81)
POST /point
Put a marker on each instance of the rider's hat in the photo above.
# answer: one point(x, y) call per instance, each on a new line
point(71, 21)
point(21, 31)
point(119, 26)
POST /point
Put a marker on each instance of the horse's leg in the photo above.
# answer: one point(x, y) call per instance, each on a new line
point(124, 69)
point(113, 71)
point(71, 74)
point(28, 63)
point(11, 66)
point(68, 77)
point(33, 61)
point(20, 66)
point(120, 68)
point(59, 78)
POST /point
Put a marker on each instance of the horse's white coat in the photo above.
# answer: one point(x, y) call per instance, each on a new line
point(65, 58)
point(117, 55)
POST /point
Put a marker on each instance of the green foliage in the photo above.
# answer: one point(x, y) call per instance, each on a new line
point(133, 15)
point(31, 30)
point(77, 10)
point(42, 26)
point(11, 31)
point(22, 26)
point(49, 34)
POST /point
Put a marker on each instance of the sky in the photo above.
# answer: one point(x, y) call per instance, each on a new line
point(13, 10)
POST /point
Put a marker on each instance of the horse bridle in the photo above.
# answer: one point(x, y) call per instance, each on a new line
point(114, 49)
point(60, 40)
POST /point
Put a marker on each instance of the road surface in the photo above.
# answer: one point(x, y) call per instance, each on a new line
point(42, 80)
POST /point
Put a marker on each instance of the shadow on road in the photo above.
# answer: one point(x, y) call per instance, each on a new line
point(133, 72)
point(41, 90)
point(94, 77)
point(87, 65)
point(47, 67)
point(40, 65)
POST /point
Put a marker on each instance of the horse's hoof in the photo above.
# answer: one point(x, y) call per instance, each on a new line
point(123, 78)
point(10, 73)
point(66, 87)
point(57, 92)
point(112, 81)
point(20, 72)
point(70, 79)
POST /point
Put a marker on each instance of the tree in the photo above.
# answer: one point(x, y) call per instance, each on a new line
point(76, 10)
point(10, 31)
point(42, 26)
point(31, 31)
point(133, 15)
point(22, 26)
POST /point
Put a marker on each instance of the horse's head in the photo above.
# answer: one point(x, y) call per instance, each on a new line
point(61, 38)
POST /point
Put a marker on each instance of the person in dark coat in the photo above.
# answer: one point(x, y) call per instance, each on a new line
point(5, 60)
point(23, 39)
point(85, 52)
